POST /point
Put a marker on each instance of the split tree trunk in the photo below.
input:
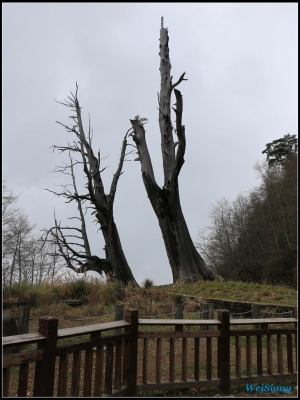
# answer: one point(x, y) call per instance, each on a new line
point(186, 263)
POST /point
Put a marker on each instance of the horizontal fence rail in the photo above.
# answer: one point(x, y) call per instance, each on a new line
point(122, 357)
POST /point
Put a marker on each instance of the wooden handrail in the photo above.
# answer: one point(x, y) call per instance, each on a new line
point(262, 321)
point(26, 338)
point(83, 330)
point(179, 322)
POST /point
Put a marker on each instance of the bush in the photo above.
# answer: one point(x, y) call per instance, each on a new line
point(147, 283)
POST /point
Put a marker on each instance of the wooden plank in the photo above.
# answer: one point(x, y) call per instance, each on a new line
point(262, 321)
point(83, 330)
point(22, 339)
point(262, 379)
point(289, 349)
point(98, 372)
point(180, 321)
point(62, 376)
point(75, 374)
point(158, 360)
point(88, 369)
point(145, 360)
point(208, 358)
point(22, 358)
point(178, 334)
point(118, 366)
point(23, 380)
point(197, 359)
point(172, 360)
point(259, 355)
point(6, 376)
point(178, 384)
point(248, 356)
point(238, 356)
point(109, 369)
point(269, 355)
point(279, 354)
point(89, 343)
point(126, 363)
point(184, 359)
point(261, 332)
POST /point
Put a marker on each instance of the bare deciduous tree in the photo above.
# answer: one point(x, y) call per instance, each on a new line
point(66, 238)
point(186, 263)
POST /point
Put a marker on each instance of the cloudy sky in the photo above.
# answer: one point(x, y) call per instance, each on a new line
point(241, 61)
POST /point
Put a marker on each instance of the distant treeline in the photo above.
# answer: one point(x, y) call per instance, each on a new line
point(254, 238)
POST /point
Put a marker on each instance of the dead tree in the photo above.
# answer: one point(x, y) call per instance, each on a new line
point(186, 263)
point(114, 265)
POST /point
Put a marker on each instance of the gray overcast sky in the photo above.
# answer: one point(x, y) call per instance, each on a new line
point(241, 61)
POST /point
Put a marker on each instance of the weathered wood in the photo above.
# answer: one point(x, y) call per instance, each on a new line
point(46, 367)
point(289, 349)
point(262, 379)
point(90, 343)
point(75, 374)
point(109, 369)
point(178, 334)
point(224, 352)
point(145, 360)
point(255, 314)
point(23, 321)
point(238, 356)
point(184, 359)
point(172, 360)
point(126, 356)
point(131, 316)
point(262, 332)
point(6, 376)
point(20, 358)
point(98, 372)
point(23, 380)
point(204, 315)
point(88, 369)
point(22, 339)
point(158, 360)
point(83, 330)
point(262, 321)
point(178, 311)
point(180, 322)
point(279, 354)
point(119, 315)
point(197, 359)
point(118, 366)
point(211, 313)
point(178, 384)
point(269, 355)
point(208, 358)
point(248, 356)
point(62, 376)
point(259, 355)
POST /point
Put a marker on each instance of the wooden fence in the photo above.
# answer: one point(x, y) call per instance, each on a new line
point(119, 364)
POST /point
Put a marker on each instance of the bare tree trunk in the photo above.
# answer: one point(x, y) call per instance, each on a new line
point(186, 263)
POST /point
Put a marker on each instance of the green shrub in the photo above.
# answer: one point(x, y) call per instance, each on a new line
point(147, 283)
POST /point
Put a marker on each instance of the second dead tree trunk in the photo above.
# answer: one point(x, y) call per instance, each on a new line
point(115, 264)
point(186, 263)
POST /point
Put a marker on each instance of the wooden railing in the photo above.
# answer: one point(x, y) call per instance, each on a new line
point(119, 364)
point(117, 351)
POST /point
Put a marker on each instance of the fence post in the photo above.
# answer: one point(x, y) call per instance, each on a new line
point(204, 315)
point(44, 369)
point(132, 316)
point(255, 315)
point(119, 315)
point(224, 352)
point(178, 315)
point(211, 312)
point(23, 322)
